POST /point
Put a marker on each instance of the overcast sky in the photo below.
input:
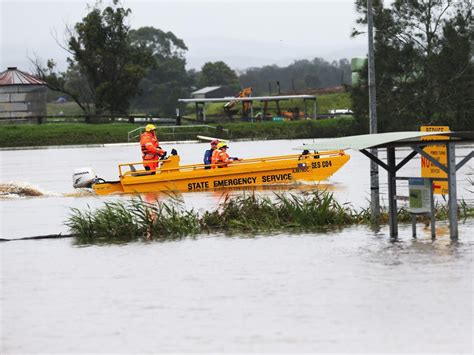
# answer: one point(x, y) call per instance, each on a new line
point(241, 33)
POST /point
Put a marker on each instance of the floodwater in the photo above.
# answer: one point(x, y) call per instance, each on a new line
point(344, 291)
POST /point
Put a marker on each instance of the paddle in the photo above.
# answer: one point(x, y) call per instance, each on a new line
point(210, 139)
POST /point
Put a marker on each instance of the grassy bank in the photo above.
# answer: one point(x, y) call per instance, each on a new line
point(325, 128)
point(25, 135)
point(136, 220)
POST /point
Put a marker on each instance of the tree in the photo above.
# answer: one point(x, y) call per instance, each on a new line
point(71, 83)
point(300, 75)
point(411, 41)
point(218, 73)
point(166, 80)
point(102, 52)
point(456, 77)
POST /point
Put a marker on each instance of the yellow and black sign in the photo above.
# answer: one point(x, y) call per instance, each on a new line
point(438, 152)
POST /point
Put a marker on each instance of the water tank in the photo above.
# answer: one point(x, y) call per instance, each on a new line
point(21, 95)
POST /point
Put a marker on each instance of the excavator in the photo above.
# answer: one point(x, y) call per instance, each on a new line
point(246, 92)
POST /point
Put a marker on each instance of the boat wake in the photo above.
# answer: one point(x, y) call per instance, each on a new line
point(80, 193)
point(13, 190)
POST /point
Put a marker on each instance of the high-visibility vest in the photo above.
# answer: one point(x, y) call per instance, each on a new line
point(219, 158)
point(150, 146)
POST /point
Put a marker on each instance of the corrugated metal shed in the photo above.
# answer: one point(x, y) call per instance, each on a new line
point(14, 76)
point(213, 91)
point(205, 90)
point(22, 96)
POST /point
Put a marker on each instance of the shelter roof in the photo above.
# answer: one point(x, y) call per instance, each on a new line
point(205, 90)
point(13, 76)
point(383, 140)
point(251, 98)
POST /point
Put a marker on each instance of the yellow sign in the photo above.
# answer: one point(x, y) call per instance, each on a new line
point(428, 169)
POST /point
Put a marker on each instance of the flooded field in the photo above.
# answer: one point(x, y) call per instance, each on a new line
point(346, 291)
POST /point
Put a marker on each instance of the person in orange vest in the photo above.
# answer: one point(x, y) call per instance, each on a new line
point(220, 157)
point(151, 150)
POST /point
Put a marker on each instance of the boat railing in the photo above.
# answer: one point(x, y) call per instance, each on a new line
point(133, 171)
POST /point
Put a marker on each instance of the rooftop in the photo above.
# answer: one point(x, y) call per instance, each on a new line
point(14, 76)
point(205, 90)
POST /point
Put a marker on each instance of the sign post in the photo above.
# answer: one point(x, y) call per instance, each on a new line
point(421, 201)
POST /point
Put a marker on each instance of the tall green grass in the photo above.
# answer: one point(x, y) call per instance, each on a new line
point(119, 222)
point(251, 213)
point(135, 220)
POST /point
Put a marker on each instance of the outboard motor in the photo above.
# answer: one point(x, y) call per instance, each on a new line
point(83, 177)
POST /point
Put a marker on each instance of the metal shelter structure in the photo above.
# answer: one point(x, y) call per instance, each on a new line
point(201, 103)
point(392, 140)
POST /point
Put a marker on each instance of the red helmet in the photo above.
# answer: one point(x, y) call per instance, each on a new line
point(215, 142)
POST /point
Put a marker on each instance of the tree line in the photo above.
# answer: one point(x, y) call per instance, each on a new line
point(113, 69)
point(424, 52)
point(423, 63)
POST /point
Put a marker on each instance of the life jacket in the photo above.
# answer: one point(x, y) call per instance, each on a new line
point(215, 158)
point(220, 158)
point(150, 146)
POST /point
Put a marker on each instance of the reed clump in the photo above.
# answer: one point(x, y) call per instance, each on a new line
point(304, 211)
point(122, 222)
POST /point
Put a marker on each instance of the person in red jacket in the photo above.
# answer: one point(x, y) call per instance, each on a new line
point(151, 150)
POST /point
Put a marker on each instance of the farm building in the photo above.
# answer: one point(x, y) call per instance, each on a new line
point(21, 95)
point(211, 92)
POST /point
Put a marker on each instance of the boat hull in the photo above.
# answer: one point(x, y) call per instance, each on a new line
point(255, 172)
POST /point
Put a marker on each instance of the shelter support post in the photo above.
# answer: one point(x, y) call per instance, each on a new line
point(204, 112)
point(413, 225)
point(197, 111)
point(392, 192)
point(314, 109)
point(452, 193)
point(433, 212)
point(305, 109)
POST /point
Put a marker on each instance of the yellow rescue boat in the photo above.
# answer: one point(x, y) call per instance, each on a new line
point(171, 176)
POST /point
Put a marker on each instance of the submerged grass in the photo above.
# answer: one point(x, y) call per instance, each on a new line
point(119, 222)
point(122, 222)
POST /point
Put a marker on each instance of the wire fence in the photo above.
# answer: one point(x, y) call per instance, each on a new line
point(178, 133)
point(89, 119)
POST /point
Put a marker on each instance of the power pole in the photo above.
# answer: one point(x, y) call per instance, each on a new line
point(374, 169)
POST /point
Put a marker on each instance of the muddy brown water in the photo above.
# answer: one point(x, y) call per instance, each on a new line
point(351, 290)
